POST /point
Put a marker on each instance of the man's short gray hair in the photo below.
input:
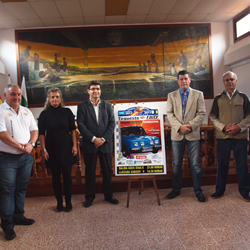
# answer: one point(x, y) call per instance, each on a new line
point(228, 72)
point(6, 89)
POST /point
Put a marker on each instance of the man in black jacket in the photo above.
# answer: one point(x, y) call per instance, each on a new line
point(96, 123)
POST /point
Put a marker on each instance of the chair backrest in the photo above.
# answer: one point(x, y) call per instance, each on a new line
point(39, 163)
point(208, 121)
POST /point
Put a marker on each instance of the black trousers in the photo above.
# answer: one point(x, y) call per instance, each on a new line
point(67, 181)
point(90, 161)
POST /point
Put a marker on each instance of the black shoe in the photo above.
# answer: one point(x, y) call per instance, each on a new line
point(68, 206)
point(10, 234)
point(112, 200)
point(200, 197)
point(25, 222)
point(217, 195)
point(88, 203)
point(59, 207)
point(245, 197)
point(173, 194)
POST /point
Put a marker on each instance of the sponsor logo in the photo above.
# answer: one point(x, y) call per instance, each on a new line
point(130, 162)
point(156, 157)
point(121, 163)
point(141, 157)
point(147, 161)
point(120, 156)
point(157, 161)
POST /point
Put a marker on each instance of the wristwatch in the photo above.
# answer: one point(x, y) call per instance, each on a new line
point(43, 150)
point(32, 143)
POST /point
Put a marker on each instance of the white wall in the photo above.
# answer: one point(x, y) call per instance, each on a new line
point(219, 42)
point(219, 39)
point(243, 74)
point(238, 59)
point(8, 57)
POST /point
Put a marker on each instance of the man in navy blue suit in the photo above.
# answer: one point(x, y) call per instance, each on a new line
point(96, 123)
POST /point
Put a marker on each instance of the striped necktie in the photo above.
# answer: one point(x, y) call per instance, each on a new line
point(184, 104)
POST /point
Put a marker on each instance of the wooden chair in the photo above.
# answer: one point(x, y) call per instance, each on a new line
point(167, 132)
point(39, 168)
point(249, 147)
point(79, 158)
point(168, 142)
point(210, 146)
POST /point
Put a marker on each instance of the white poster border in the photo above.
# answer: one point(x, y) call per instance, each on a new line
point(139, 163)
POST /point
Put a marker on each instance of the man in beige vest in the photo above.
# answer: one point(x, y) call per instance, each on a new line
point(230, 115)
point(186, 112)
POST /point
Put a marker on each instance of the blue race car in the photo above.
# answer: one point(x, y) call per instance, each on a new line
point(136, 140)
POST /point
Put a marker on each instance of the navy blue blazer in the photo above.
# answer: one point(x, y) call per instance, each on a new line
point(88, 127)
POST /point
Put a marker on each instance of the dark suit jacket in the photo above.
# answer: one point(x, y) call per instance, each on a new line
point(88, 127)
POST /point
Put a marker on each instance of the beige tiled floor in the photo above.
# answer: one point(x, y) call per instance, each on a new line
point(181, 223)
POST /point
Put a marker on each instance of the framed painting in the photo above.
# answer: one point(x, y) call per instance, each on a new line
point(133, 63)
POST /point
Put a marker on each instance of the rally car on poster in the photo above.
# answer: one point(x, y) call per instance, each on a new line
point(136, 140)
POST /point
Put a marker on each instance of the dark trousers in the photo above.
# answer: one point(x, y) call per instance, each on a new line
point(90, 161)
point(239, 147)
point(67, 182)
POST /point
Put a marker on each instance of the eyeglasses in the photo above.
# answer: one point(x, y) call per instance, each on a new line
point(93, 89)
point(231, 79)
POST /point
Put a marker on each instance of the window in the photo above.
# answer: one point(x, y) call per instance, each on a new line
point(241, 25)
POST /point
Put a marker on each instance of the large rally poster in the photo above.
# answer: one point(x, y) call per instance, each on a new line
point(139, 140)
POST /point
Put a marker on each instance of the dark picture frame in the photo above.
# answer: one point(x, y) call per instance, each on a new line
point(133, 63)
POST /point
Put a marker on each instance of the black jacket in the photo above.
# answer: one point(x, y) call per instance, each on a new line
point(88, 127)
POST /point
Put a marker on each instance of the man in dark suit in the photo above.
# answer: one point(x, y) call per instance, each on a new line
point(96, 123)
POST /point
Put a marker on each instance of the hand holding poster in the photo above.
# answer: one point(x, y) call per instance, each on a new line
point(139, 140)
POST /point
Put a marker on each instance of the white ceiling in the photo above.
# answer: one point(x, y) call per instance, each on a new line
point(54, 13)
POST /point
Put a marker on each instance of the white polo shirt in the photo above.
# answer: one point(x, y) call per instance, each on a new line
point(18, 126)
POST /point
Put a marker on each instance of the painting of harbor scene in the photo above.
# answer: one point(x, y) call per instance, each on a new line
point(131, 62)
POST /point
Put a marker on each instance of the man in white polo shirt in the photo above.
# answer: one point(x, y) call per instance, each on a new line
point(18, 134)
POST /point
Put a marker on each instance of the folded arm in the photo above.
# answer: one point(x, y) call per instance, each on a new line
point(6, 138)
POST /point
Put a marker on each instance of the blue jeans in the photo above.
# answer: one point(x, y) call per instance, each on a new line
point(239, 147)
point(194, 156)
point(14, 178)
